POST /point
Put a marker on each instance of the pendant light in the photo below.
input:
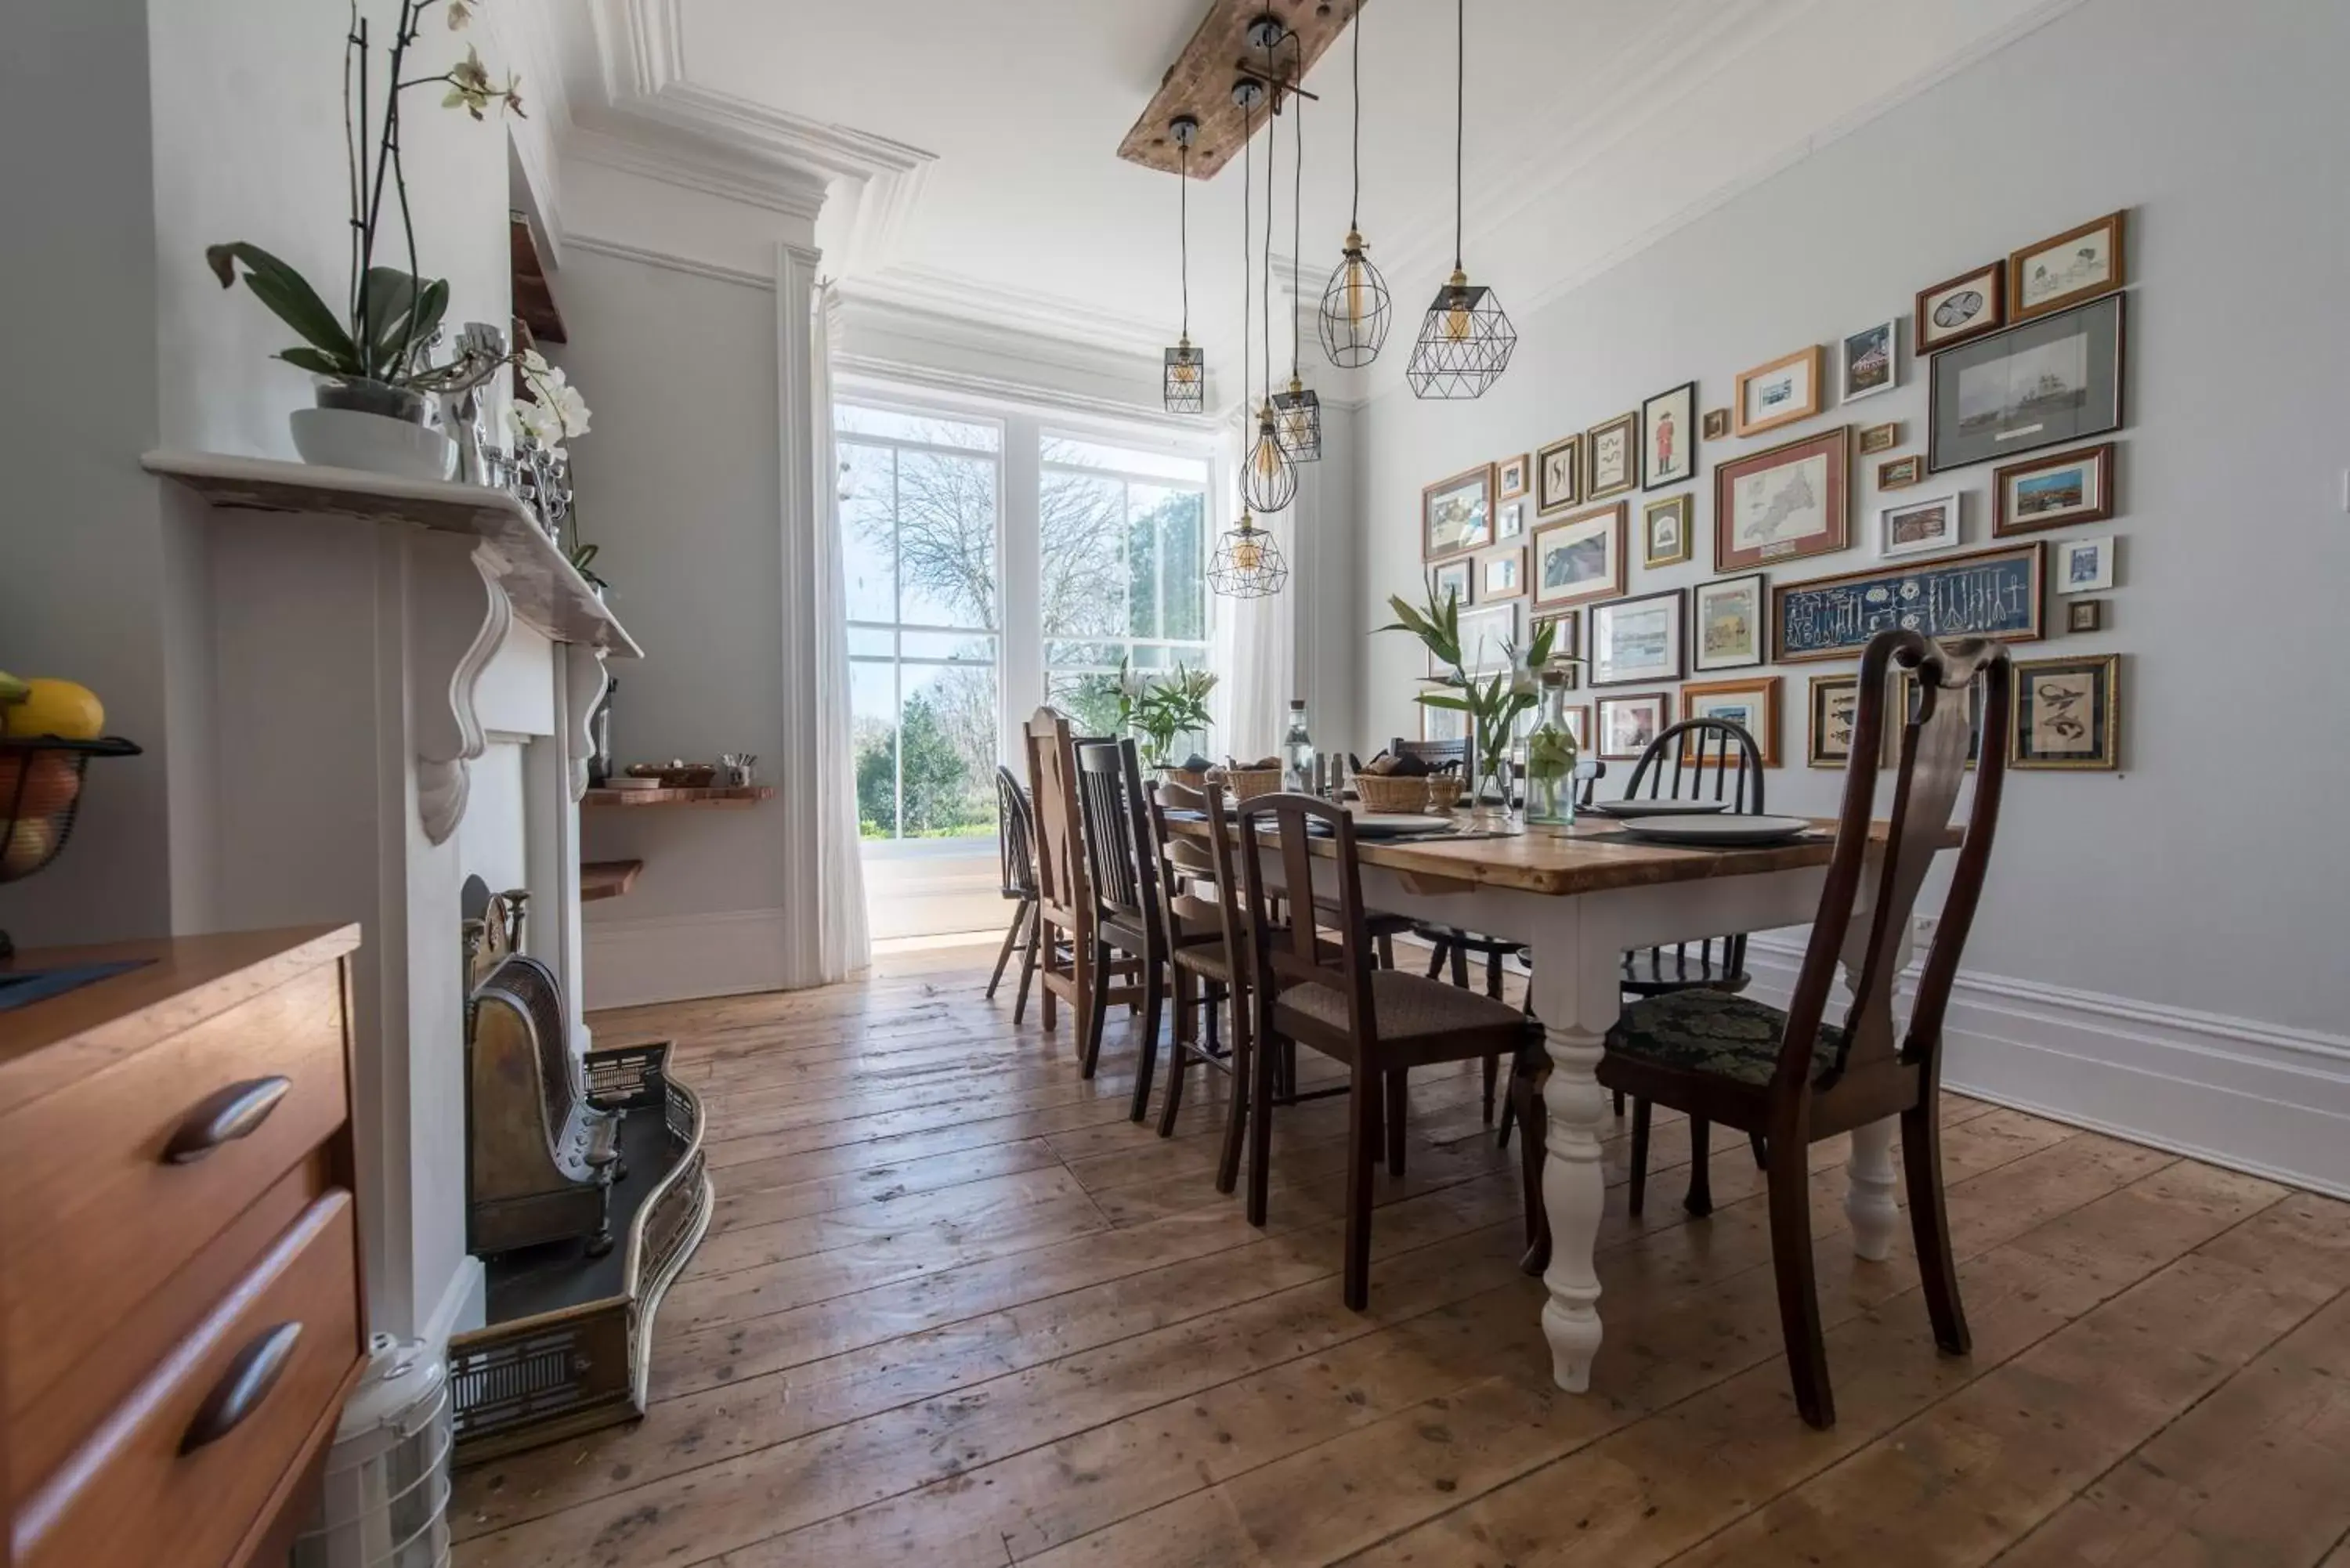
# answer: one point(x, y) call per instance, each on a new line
point(1247, 564)
point(1186, 388)
point(1465, 341)
point(1296, 413)
point(1356, 310)
point(1268, 478)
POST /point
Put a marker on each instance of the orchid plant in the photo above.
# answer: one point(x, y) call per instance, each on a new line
point(390, 316)
point(1491, 702)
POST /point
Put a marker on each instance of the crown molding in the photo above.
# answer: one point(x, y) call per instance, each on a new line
point(886, 374)
point(672, 261)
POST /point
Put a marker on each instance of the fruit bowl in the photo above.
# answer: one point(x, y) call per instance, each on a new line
point(40, 790)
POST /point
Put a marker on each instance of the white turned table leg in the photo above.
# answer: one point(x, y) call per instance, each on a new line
point(1869, 1204)
point(1578, 997)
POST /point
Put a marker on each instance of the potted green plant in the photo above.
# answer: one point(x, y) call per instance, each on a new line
point(1161, 711)
point(370, 355)
point(1491, 702)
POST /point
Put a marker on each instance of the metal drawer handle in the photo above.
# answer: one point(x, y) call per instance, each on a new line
point(243, 1387)
point(224, 1117)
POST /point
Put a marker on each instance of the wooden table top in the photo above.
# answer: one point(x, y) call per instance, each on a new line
point(1594, 857)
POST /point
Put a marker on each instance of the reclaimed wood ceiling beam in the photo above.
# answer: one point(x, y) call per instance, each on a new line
point(1199, 82)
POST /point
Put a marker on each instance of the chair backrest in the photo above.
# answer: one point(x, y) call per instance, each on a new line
point(1693, 753)
point(1053, 791)
point(1198, 898)
point(1588, 772)
point(1435, 753)
point(1016, 835)
point(1934, 737)
point(1292, 953)
point(1110, 815)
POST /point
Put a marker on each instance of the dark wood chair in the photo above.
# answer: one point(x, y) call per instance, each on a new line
point(1797, 1078)
point(1121, 872)
point(1015, 835)
point(1331, 997)
point(1697, 759)
point(1066, 948)
point(1209, 954)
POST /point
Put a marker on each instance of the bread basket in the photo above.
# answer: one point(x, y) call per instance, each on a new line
point(1392, 792)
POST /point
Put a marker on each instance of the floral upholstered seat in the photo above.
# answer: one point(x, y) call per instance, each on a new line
point(1715, 1031)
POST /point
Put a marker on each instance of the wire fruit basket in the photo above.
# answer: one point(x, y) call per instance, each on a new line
point(40, 793)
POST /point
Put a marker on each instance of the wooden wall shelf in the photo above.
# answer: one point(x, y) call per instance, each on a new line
point(607, 878)
point(638, 799)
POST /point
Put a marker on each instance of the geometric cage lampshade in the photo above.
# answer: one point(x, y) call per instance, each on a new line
point(1465, 342)
point(1248, 563)
point(1297, 422)
point(1186, 388)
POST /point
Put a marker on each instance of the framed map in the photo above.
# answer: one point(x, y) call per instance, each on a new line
point(1991, 592)
point(1783, 503)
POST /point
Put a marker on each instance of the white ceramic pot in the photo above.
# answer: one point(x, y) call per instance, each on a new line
point(372, 443)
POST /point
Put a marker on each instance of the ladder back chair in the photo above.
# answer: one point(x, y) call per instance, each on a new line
point(1015, 835)
point(1064, 898)
point(1794, 1076)
point(1121, 870)
point(1330, 997)
point(1679, 764)
point(1209, 953)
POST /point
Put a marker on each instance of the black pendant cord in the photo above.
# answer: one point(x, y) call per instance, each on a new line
point(1460, 114)
point(1248, 260)
point(1354, 207)
point(1296, 229)
point(1183, 228)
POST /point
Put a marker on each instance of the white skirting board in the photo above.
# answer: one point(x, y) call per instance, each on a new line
point(2254, 1097)
point(672, 958)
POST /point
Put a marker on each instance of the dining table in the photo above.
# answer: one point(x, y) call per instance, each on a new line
point(1578, 901)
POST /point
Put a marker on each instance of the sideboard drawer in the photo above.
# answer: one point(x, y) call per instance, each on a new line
point(186, 1467)
point(118, 1179)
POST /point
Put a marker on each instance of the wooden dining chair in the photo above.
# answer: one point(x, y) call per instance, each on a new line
point(1697, 759)
point(1015, 835)
point(1210, 959)
point(1331, 997)
point(1794, 1076)
point(1064, 898)
point(1122, 874)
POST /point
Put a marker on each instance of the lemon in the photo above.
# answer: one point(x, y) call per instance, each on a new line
point(60, 707)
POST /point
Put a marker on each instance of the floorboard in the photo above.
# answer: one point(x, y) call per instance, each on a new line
point(956, 1308)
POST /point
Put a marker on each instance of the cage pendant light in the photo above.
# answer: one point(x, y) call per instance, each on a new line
point(1466, 339)
point(1186, 388)
point(1268, 478)
point(1355, 311)
point(1297, 413)
point(1248, 564)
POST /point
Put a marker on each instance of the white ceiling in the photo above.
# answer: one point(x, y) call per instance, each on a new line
point(1592, 127)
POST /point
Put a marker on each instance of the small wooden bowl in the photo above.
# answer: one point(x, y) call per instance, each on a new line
point(1441, 794)
point(1392, 792)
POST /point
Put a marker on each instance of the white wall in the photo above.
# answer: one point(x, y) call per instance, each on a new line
point(2220, 129)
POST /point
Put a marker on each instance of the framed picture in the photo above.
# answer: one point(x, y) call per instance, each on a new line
point(1870, 362)
point(2066, 269)
point(1919, 527)
point(1568, 637)
point(1558, 474)
point(1638, 640)
point(1669, 437)
point(1626, 725)
point(1779, 393)
point(2054, 379)
point(2075, 486)
point(1901, 472)
point(1456, 514)
point(1665, 531)
point(2067, 713)
point(1784, 502)
point(1717, 424)
point(1455, 578)
point(1505, 574)
point(1990, 593)
point(2085, 566)
point(1513, 477)
point(1875, 438)
point(1509, 520)
point(1487, 634)
point(1580, 557)
point(1751, 705)
point(2085, 614)
point(1835, 709)
point(1611, 459)
point(1965, 306)
point(1726, 616)
point(1578, 724)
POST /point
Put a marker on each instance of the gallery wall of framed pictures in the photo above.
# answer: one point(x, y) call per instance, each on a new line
point(2024, 357)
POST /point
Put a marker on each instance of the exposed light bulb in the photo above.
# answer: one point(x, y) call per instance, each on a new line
point(1246, 556)
point(1186, 369)
point(1456, 318)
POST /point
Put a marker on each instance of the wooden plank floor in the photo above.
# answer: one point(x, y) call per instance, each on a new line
point(954, 1308)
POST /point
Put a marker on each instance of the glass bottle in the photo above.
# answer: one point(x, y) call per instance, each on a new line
point(1297, 752)
point(1550, 762)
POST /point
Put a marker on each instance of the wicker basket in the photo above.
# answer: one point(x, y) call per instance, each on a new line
point(1247, 783)
point(1190, 778)
point(1392, 792)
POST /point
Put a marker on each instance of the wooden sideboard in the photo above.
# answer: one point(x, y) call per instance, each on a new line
point(181, 1314)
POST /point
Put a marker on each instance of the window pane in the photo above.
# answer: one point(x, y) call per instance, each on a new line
point(1083, 655)
point(946, 540)
point(849, 418)
point(1142, 462)
point(871, 642)
point(945, 644)
point(1083, 548)
point(948, 738)
point(1175, 523)
point(1089, 701)
point(873, 731)
point(869, 551)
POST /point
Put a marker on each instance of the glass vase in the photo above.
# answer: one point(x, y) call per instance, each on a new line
point(1490, 778)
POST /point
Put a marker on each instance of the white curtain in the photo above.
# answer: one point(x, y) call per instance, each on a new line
point(1253, 647)
point(841, 939)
